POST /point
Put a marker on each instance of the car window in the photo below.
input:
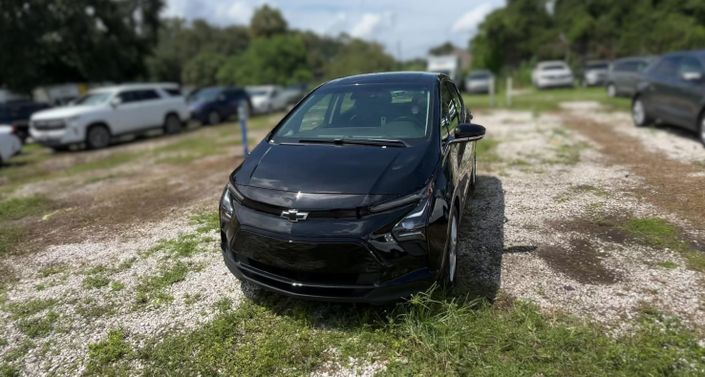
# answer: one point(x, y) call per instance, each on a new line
point(148, 94)
point(399, 111)
point(174, 92)
point(689, 64)
point(129, 96)
point(95, 98)
point(456, 107)
point(446, 114)
point(666, 68)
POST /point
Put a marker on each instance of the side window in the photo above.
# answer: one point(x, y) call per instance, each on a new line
point(174, 92)
point(457, 107)
point(665, 69)
point(316, 114)
point(148, 95)
point(689, 65)
point(128, 96)
point(446, 105)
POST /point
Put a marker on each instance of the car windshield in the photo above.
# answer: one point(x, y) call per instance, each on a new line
point(553, 67)
point(204, 95)
point(372, 112)
point(92, 99)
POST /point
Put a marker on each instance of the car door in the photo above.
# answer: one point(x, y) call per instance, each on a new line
point(660, 87)
point(128, 115)
point(687, 91)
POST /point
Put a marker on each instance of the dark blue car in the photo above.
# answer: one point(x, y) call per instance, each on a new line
point(212, 105)
point(16, 113)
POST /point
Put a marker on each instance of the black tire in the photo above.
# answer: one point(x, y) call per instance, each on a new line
point(98, 137)
point(61, 148)
point(701, 129)
point(214, 118)
point(172, 124)
point(639, 115)
point(449, 267)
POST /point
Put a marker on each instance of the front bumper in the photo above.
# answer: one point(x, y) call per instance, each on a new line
point(55, 138)
point(554, 82)
point(324, 259)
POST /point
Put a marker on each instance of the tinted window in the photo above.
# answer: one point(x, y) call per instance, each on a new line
point(138, 95)
point(689, 64)
point(371, 111)
point(446, 114)
point(146, 95)
point(666, 68)
point(174, 92)
point(456, 107)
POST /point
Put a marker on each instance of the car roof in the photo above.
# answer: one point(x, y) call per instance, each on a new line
point(698, 53)
point(636, 58)
point(136, 86)
point(388, 77)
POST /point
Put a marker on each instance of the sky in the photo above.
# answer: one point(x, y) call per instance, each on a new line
point(407, 28)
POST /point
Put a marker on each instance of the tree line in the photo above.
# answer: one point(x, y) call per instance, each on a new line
point(525, 31)
point(126, 40)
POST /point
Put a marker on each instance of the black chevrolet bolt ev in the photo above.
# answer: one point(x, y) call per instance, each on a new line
point(357, 194)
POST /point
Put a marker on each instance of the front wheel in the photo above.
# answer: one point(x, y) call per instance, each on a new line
point(451, 258)
point(98, 137)
point(213, 118)
point(639, 116)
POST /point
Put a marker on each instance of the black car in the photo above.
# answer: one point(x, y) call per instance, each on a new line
point(672, 91)
point(357, 194)
point(624, 75)
point(212, 105)
point(16, 113)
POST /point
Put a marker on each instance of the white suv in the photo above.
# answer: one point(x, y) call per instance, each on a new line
point(551, 74)
point(97, 117)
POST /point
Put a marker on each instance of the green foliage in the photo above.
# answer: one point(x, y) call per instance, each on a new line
point(358, 56)
point(658, 232)
point(150, 289)
point(28, 308)
point(103, 354)
point(38, 326)
point(442, 49)
point(75, 41)
point(267, 22)
point(280, 59)
point(202, 69)
point(525, 31)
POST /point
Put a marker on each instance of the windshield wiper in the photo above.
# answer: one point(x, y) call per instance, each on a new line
point(375, 142)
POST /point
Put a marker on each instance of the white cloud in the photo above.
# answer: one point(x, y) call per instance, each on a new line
point(239, 12)
point(472, 19)
point(367, 26)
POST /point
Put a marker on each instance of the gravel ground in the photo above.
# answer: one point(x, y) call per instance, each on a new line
point(533, 231)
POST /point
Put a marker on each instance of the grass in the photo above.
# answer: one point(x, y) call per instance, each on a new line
point(6, 370)
point(18, 208)
point(487, 150)
point(430, 335)
point(37, 327)
point(206, 222)
point(151, 288)
point(538, 101)
point(28, 308)
point(112, 348)
point(660, 233)
point(95, 281)
point(89, 309)
point(10, 237)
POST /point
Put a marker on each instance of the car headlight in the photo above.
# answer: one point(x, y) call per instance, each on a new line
point(227, 200)
point(72, 120)
point(413, 224)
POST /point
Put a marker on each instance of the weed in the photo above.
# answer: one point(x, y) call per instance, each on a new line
point(151, 288)
point(18, 208)
point(28, 308)
point(89, 309)
point(117, 286)
point(10, 237)
point(7, 370)
point(206, 222)
point(95, 281)
point(108, 352)
point(52, 269)
point(38, 326)
point(669, 265)
point(190, 299)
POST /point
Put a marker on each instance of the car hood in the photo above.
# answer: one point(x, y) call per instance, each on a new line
point(62, 112)
point(338, 170)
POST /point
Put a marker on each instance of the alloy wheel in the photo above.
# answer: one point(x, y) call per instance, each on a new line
point(172, 124)
point(453, 249)
point(638, 113)
point(98, 137)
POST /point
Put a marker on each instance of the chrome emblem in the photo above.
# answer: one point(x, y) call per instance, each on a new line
point(294, 215)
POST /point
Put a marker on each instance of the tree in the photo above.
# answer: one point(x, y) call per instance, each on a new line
point(81, 40)
point(280, 59)
point(267, 22)
point(358, 56)
point(202, 69)
point(442, 49)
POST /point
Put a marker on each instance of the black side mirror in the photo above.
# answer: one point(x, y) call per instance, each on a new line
point(468, 132)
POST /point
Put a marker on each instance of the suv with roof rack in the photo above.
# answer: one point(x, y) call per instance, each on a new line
point(102, 114)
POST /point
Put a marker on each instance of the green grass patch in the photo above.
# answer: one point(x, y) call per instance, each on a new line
point(430, 335)
point(660, 233)
point(117, 286)
point(103, 355)
point(95, 281)
point(206, 222)
point(669, 265)
point(52, 269)
point(28, 308)
point(89, 309)
point(10, 237)
point(108, 162)
point(18, 208)
point(151, 288)
point(487, 150)
point(538, 101)
point(37, 327)
point(7, 370)
point(185, 245)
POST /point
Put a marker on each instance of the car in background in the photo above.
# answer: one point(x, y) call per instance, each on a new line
point(552, 74)
point(102, 114)
point(215, 104)
point(10, 144)
point(267, 98)
point(595, 72)
point(357, 194)
point(16, 113)
point(624, 74)
point(479, 81)
point(294, 93)
point(672, 90)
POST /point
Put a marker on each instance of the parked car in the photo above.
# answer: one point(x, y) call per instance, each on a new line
point(267, 98)
point(10, 144)
point(672, 90)
point(551, 74)
point(294, 93)
point(595, 72)
point(102, 114)
point(358, 193)
point(479, 81)
point(214, 104)
point(624, 75)
point(16, 113)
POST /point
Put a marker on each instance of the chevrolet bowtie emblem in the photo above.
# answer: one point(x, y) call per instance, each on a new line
point(294, 215)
